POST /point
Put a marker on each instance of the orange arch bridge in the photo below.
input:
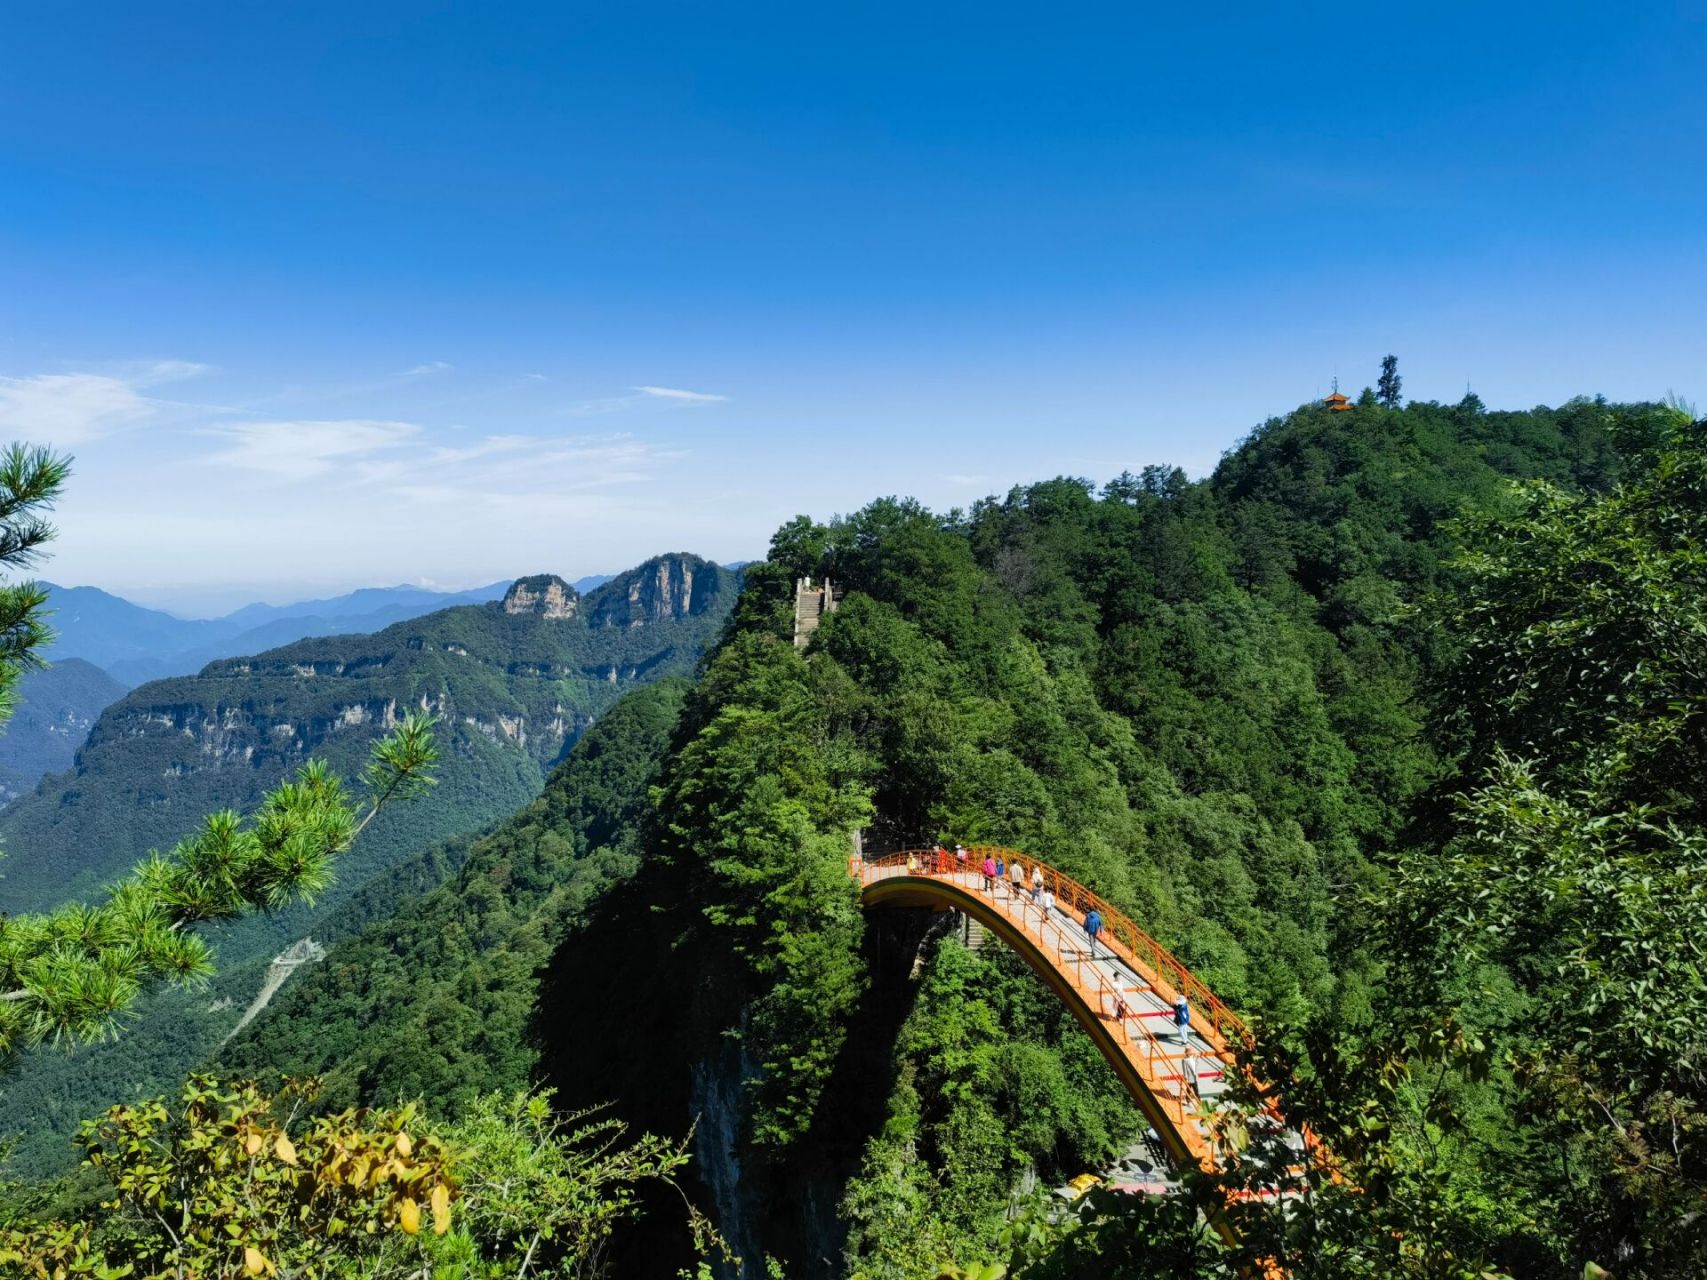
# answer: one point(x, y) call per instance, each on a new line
point(1123, 992)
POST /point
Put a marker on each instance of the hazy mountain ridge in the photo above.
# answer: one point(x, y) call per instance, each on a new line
point(125, 644)
point(135, 643)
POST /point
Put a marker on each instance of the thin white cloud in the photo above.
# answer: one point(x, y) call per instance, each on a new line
point(680, 396)
point(424, 370)
point(666, 397)
point(537, 472)
point(394, 461)
point(67, 408)
point(70, 408)
point(305, 450)
point(150, 373)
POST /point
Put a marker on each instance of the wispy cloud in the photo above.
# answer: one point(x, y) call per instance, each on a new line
point(657, 397)
point(428, 369)
point(67, 408)
point(679, 396)
point(395, 461)
point(70, 408)
point(531, 473)
point(304, 450)
point(148, 373)
point(277, 487)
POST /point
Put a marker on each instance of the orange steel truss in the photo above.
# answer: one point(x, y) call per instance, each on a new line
point(1140, 1048)
point(1147, 1060)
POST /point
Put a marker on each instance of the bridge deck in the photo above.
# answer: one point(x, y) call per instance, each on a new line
point(1124, 992)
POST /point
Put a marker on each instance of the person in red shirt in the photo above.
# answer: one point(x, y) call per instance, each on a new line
point(989, 874)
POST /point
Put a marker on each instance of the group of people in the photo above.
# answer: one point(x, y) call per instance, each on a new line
point(1000, 874)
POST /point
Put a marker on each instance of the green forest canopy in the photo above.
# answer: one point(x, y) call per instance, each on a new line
point(1386, 727)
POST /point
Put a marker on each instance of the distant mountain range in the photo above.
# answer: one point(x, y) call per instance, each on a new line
point(134, 644)
point(106, 645)
point(514, 683)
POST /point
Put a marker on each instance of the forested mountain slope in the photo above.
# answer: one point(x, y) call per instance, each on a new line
point(1200, 698)
point(514, 682)
point(435, 999)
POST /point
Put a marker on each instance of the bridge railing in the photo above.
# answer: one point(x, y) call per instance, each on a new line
point(1210, 1016)
point(1212, 1020)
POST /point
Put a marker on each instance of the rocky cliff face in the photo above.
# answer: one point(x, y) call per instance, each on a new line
point(545, 594)
point(664, 588)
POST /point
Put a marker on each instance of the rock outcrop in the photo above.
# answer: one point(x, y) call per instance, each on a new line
point(545, 594)
point(665, 587)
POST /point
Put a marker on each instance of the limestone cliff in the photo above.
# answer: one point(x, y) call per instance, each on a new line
point(545, 594)
point(664, 588)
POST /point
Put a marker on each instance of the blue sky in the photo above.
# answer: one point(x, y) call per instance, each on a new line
point(333, 295)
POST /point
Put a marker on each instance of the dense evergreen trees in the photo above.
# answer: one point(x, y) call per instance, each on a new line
point(1387, 389)
point(1208, 700)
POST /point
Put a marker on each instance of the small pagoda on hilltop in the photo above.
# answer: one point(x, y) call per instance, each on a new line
point(1336, 402)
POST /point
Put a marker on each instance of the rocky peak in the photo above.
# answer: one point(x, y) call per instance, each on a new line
point(545, 594)
point(665, 587)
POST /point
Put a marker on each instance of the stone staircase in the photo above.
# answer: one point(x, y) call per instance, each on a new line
point(811, 603)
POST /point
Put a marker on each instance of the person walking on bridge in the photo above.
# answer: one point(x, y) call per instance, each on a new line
point(989, 874)
point(1001, 870)
point(1018, 878)
point(1037, 882)
point(1093, 926)
point(1182, 1020)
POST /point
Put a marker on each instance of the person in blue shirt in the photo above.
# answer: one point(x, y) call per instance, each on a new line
point(1001, 871)
point(1182, 1020)
point(1093, 926)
